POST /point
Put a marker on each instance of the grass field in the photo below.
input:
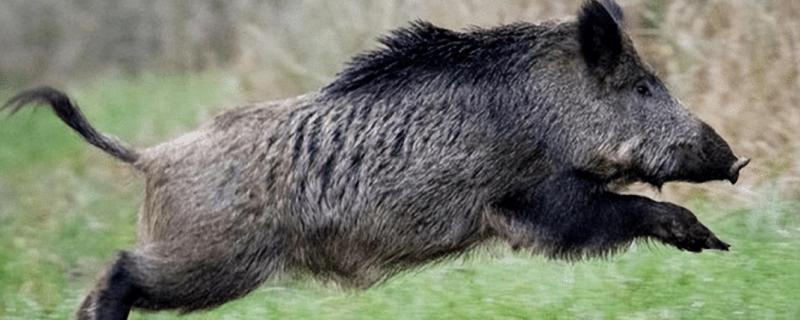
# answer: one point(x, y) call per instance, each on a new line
point(65, 209)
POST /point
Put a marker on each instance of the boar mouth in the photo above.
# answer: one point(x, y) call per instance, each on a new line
point(695, 174)
point(637, 161)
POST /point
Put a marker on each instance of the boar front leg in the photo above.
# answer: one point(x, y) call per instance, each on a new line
point(571, 217)
point(677, 226)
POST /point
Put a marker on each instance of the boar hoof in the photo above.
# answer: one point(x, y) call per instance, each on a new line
point(680, 228)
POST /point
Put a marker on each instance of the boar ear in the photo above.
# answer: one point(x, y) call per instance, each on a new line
point(600, 34)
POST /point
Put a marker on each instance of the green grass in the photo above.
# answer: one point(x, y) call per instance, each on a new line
point(65, 209)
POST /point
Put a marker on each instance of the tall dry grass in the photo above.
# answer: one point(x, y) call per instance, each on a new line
point(735, 63)
point(62, 40)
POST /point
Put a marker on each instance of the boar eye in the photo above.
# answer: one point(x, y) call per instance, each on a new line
point(643, 90)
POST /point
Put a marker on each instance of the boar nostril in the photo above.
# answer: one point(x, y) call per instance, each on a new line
point(736, 167)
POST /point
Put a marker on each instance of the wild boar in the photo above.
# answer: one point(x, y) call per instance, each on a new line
point(422, 149)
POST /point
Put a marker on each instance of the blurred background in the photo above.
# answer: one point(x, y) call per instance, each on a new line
point(149, 70)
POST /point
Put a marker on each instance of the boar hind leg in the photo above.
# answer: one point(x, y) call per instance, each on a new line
point(570, 217)
point(114, 294)
point(138, 280)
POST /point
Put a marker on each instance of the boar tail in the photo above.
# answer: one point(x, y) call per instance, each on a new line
point(69, 112)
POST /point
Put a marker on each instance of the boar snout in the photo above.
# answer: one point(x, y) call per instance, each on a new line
point(708, 158)
point(716, 159)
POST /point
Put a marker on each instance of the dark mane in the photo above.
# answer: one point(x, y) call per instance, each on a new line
point(423, 52)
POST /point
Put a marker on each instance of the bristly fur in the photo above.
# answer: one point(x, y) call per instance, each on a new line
point(422, 53)
point(418, 152)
